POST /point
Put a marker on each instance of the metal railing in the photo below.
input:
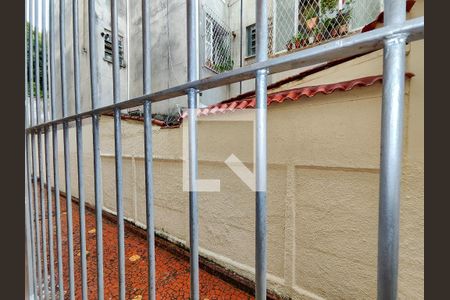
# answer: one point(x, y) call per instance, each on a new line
point(40, 236)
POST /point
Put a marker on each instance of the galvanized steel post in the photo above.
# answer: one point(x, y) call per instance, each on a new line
point(32, 234)
point(36, 61)
point(31, 246)
point(261, 151)
point(47, 151)
point(79, 141)
point(193, 74)
point(36, 217)
point(31, 279)
point(30, 64)
point(96, 147)
point(146, 56)
point(57, 211)
point(68, 185)
point(391, 151)
point(55, 147)
point(43, 226)
point(118, 147)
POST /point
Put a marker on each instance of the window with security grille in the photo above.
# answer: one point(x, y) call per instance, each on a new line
point(302, 23)
point(218, 39)
point(251, 40)
point(108, 48)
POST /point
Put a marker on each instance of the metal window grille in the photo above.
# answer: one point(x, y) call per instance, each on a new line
point(44, 281)
point(305, 23)
point(251, 40)
point(109, 47)
point(218, 44)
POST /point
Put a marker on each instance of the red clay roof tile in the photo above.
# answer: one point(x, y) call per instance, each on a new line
point(292, 94)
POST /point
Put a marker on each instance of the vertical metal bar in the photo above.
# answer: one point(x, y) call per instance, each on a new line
point(30, 61)
point(241, 38)
point(28, 228)
point(82, 211)
point(146, 49)
point(28, 203)
point(43, 226)
point(79, 135)
point(57, 210)
point(96, 145)
point(118, 147)
point(30, 214)
point(193, 74)
point(50, 214)
point(39, 145)
point(47, 151)
point(52, 44)
point(34, 91)
point(44, 58)
point(36, 62)
point(261, 150)
point(98, 204)
point(76, 55)
point(62, 33)
point(55, 147)
point(36, 217)
point(391, 152)
point(69, 209)
point(62, 53)
point(27, 108)
point(193, 204)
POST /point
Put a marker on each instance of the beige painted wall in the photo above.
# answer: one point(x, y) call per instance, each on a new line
point(323, 156)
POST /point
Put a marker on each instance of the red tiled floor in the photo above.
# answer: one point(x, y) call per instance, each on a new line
point(172, 271)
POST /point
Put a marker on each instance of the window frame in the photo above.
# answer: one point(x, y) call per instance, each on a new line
point(212, 44)
point(107, 39)
point(251, 38)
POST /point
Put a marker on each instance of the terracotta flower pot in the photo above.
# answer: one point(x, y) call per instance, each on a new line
point(334, 32)
point(343, 29)
point(297, 44)
point(319, 37)
point(289, 46)
point(311, 23)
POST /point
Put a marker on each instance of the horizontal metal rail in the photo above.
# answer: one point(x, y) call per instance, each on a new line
point(337, 49)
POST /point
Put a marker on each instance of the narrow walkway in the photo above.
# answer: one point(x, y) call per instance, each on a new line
point(172, 271)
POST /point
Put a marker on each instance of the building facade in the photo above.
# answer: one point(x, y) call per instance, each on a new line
point(227, 41)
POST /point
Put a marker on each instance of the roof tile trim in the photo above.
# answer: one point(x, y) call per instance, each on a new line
point(292, 94)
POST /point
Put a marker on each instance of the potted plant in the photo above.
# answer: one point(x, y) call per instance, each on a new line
point(311, 17)
point(297, 41)
point(289, 45)
point(318, 36)
point(343, 29)
point(344, 16)
point(300, 40)
point(334, 32)
point(330, 25)
point(328, 5)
